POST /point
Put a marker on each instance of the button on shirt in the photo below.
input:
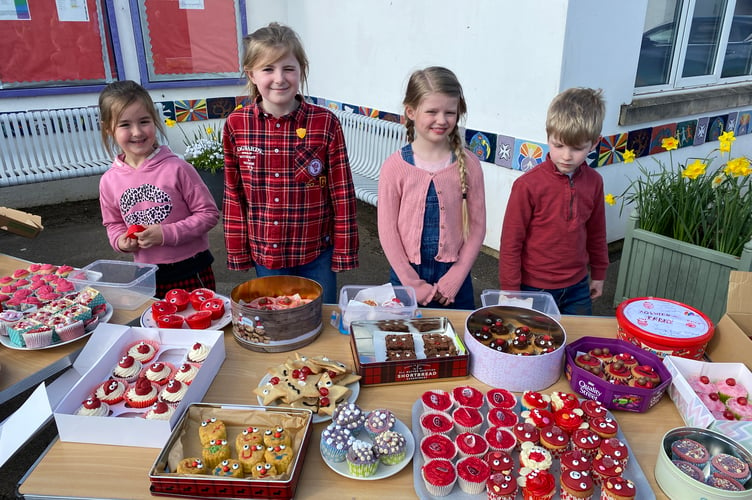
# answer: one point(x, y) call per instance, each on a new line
point(287, 197)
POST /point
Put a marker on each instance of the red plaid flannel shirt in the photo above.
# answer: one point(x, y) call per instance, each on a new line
point(288, 189)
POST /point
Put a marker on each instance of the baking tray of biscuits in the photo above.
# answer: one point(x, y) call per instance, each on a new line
point(397, 351)
point(211, 452)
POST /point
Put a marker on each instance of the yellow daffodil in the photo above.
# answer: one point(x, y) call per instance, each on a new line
point(611, 199)
point(301, 132)
point(725, 140)
point(209, 130)
point(170, 122)
point(629, 156)
point(718, 180)
point(694, 170)
point(670, 143)
point(738, 167)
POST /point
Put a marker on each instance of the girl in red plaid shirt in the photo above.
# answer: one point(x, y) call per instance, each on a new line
point(289, 198)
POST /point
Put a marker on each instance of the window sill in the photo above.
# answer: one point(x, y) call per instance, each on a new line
point(674, 106)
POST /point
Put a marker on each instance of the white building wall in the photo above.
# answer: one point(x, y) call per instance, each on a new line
point(512, 58)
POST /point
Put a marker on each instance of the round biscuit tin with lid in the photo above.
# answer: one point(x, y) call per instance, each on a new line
point(664, 327)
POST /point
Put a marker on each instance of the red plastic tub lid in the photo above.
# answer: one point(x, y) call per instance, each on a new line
point(664, 321)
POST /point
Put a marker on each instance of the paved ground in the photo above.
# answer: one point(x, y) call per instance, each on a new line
point(74, 235)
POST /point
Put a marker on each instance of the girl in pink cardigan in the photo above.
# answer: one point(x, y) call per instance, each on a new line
point(431, 204)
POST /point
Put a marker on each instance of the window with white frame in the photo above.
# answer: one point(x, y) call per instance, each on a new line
point(695, 43)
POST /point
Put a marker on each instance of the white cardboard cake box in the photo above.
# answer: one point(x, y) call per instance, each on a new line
point(105, 348)
point(691, 407)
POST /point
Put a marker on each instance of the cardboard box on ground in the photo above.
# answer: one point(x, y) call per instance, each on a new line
point(21, 223)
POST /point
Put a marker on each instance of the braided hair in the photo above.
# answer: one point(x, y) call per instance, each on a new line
point(436, 79)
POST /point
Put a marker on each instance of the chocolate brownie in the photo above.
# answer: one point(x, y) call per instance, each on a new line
point(392, 325)
point(395, 355)
point(400, 342)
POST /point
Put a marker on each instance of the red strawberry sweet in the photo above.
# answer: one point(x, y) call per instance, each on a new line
point(178, 297)
point(170, 321)
point(133, 229)
point(215, 306)
point(200, 320)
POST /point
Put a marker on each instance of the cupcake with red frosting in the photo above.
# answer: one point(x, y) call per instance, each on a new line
point(467, 419)
point(93, 407)
point(111, 391)
point(555, 440)
point(467, 395)
point(439, 477)
point(173, 393)
point(616, 449)
point(436, 422)
point(500, 462)
point(536, 484)
point(470, 444)
point(648, 372)
point(576, 485)
point(472, 474)
point(575, 460)
point(127, 369)
point(141, 394)
point(436, 400)
point(605, 467)
point(186, 373)
point(437, 446)
point(535, 457)
point(531, 400)
point(159, 372)
point(605, 427)
point(502, 417)
point(570, 420)
point(538, 417)
point(143, 350)
point(586, 441)
point(501, 487)
point(500, 439)
point(501, 398)
point(159, 411)
point(564, 400)
point(618, 488)
point(525, 432)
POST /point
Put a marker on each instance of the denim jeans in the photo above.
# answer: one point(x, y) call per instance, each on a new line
point(573, 299)
point(318, 270)
point(430, 269)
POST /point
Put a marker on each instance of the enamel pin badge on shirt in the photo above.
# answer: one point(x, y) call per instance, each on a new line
point(315, 167)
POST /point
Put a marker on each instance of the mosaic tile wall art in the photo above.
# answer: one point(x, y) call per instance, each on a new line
point(507, 151)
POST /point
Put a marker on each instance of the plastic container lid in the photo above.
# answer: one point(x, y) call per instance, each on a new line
point(664, 322)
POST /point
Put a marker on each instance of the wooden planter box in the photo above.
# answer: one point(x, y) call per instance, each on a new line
point(659, 266)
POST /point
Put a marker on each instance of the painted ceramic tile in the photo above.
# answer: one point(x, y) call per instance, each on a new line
point(592, 158)
point(702, 131)
point(242, 100)
point(190, 110)
point(661, 132)
point(169, 109)
point(731, 121)
point(390, 117)
point(373, 113)
point(611, 149)
point(333, 105)
point(716, 126)
point(483, 144)
point(638, 141)
point(350, 108)
point(685, 132)
point(504, 148)
point(220, 107)
point(528, 154)
point(742, 123)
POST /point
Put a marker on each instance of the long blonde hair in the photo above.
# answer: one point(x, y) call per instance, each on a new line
point(439, 80)
point(268, 45)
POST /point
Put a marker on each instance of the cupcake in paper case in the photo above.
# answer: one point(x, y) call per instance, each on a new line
point(470, 444)
point(724, 482)
point(335, 441)
point(730, 466)
point(472, 474)
point(159, 411)
point(159, 372)
point(500, 439)
point(592, 409)
point(467, 395)
point(38, 337)
point(439, 477)
point(563, 400)
point(538, 417)
point(731, 388)
point(618, 488)
point(575, 460)
point(436, 422)
point(531, 400)
point(536, 484)
point(143, 350)
point(111, 391)
point(173, 392)
point(605, 427)
point(391, 447)
point(702, 384)
point(127, 369)
point(713, 403)
point(586, 441)
point(198, 353)
point(93, 407)
point(535, 457)
point(740, 408)
point(186, 372)
point(17, 329)
point(502, 417)
point(575, 485)
point(8, 318)
point(501, 487)
point(501, 398)
point(690, 451)
point(67, 328)
point(555, 440)
point(141, 394)
point(437, 446)
point(605, 467)
point(467, 419)
point(63, 270)
point(526, 432)
point(690, 470)
point(378, 421)
point(362, 460)
point(500, 462)
point(616, 449)
point(350, 416)
point(436, 400)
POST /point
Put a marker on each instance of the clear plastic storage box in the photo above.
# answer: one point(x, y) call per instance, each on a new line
point(125, 285)
point(539, 301)
point(405, 295)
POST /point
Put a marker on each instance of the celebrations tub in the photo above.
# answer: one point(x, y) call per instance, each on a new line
point(664, 327)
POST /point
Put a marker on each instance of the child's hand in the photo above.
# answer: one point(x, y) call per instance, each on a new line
point(596, 289)
point(150, 237)
point(126, 243)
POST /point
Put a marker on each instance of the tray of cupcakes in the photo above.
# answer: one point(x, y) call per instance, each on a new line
point(473, 444)
point(232, 451)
